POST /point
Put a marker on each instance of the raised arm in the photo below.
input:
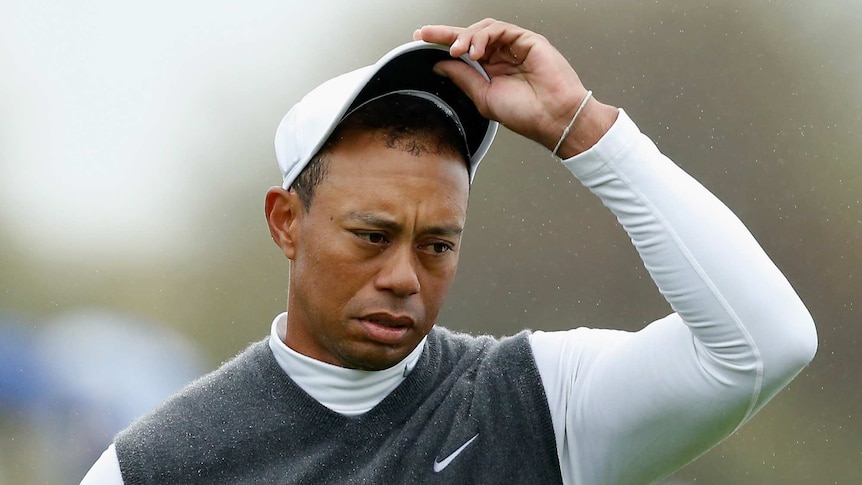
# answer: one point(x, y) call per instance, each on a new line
point(632, 407)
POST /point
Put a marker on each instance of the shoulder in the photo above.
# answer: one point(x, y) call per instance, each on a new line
point(208, 415)
point(447, 340)
point(251, 371)
point(255, 363)
point(506, 357)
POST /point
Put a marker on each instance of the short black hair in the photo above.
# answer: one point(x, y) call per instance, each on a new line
point(413, 124)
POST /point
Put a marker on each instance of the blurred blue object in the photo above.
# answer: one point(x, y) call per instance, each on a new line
point(122, 364)
point(23, 380)
point(75, 381)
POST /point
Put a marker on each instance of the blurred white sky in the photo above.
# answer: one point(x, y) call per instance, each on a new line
point(113, 114)
point(102, 104)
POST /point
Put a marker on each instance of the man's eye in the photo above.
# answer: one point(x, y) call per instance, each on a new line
point(372, 237)
point(439, 248)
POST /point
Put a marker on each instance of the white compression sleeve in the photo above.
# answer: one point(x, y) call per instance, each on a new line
point(106, 470)
point(633, 407)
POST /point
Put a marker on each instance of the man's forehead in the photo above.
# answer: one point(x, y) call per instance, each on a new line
point(413, 142)
point(358, 145)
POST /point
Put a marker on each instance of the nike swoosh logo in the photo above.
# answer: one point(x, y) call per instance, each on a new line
point(440, 465)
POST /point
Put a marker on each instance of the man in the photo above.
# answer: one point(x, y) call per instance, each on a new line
point(357, 385)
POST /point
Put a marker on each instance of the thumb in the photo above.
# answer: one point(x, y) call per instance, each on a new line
point(468, 80)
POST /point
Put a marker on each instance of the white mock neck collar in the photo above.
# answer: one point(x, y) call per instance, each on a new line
point(346, 391)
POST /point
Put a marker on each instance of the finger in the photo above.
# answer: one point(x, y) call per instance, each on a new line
point(509, 39)
point(502, 55)
point(445, 35)
point(468, 80)
point(458, 38)
point(466, 41)
point(483, 41)
point(438, 34)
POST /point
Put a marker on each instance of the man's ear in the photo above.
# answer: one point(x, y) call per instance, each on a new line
point(283, 211)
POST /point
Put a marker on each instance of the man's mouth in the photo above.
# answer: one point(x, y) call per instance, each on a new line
point(385, 328)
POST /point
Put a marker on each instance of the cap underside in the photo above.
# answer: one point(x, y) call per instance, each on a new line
point(412, 70)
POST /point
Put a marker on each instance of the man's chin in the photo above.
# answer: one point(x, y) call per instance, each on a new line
point(372, 356)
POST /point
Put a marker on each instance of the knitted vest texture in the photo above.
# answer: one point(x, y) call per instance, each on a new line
point(472, 411)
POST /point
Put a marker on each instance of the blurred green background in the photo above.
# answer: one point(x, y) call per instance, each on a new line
point(136, 147)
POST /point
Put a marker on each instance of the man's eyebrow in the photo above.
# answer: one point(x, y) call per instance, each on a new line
point(374, 221)
point(444, 231)
point(449, 230)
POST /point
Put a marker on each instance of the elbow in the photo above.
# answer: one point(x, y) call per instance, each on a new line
point(805, 345)
point(798, 342)
point(792, 349)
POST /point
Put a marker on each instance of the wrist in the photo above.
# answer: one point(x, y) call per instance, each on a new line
point(594, 120)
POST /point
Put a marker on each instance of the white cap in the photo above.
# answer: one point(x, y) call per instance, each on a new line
point(407, 69)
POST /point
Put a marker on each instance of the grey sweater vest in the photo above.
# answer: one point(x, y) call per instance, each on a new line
point(472, 411)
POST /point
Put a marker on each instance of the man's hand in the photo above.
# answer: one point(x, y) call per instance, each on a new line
point(533, 90)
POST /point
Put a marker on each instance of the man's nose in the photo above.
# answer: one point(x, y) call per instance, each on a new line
point(398, 273)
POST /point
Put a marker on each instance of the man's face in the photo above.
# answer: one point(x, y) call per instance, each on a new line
point(376, 252)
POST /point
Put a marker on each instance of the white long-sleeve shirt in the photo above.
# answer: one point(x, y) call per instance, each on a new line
point(631, 407)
